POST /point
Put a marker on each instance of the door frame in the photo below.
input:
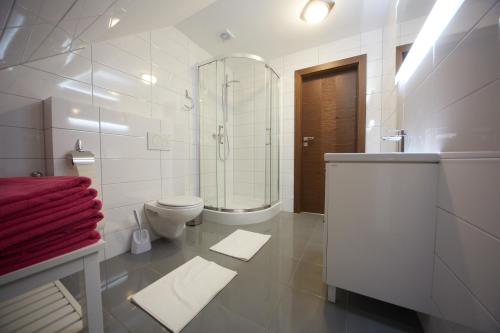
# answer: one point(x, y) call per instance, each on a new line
point(399, 54)
point(358, 63)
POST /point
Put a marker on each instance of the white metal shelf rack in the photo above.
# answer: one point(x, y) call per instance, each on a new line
point(32, 280)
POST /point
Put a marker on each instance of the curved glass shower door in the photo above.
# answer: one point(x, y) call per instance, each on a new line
point(239, 106)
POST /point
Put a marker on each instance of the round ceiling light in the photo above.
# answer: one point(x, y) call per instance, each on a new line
point(316, 11)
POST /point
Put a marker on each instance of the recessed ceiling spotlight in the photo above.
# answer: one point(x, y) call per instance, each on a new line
point(226, 35)
point(113, 21)
point(148, 79)
point(316, 11)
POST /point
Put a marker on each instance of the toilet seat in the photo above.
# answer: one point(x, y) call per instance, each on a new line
point(180, 201)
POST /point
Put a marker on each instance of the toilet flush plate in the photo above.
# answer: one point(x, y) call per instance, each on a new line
point(157, 141)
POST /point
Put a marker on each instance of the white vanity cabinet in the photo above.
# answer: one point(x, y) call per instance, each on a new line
point(380, 225)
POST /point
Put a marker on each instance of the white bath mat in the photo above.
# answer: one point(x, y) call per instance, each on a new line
point(175, 299)
point(241, 244)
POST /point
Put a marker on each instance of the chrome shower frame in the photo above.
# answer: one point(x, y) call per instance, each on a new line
point(223, 58)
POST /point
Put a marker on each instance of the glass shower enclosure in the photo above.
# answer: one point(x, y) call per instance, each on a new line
point(238, 100)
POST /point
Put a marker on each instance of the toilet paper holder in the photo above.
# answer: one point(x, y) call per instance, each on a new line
point(80, 156)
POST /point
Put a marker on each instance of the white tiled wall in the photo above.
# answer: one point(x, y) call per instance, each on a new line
point(101, 99)
point(127, 174)
point(249, 131)
point(460, 73)
point(467, 254)
point(395, 34)
point(21, 135)
point(450, 105)
point(380, 47)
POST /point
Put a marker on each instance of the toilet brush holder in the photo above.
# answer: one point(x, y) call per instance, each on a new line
point(140, 241)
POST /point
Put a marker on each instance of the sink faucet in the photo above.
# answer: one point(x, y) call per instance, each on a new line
point(399, 137)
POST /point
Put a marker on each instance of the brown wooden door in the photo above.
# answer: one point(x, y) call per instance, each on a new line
point(329, 103)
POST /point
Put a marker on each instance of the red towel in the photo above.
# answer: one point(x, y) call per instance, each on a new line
point(47, 229)
point(56, 236)
point(56, 249)
point(52, 206)
point(46, 217)
point(42, 218)
point(20, 193)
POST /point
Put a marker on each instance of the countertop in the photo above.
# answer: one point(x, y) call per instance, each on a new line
point(383, 157)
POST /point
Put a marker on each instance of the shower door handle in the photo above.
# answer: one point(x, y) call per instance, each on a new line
point(220, 135)
point(268, 137)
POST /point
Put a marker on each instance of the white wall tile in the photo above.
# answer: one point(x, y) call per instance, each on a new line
point(60, 142)
point(126, 147)
point(301, 59)
point(127, 124)
point(112, 79)
point(374, 68)
point(412, 27)
point(117, 243)
point(169, 41)
point(471, 189)
point(20, 111)
point(462, 22)
point(113, 100)
point(373, 51)
point(444, 124)
point(372, 37)
point(110, 107)
point(129, 170)
point(173, 186)
point(70, 65)
point(62, 113)
point(374, 85)
point(21, 167)
point(28, 82)
point(473, 256)
point(372, 139)
point(107, 54)
point(459, 129)
point(480, 48)
point(134, 45)
point(447, 105)
point(123, 218)
point(167, 98)
point(457, 304)
point(64, 167)
point(16, 142)
point(21, 36)
point(123, 194)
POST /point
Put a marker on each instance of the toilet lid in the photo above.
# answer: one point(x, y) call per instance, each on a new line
point(180, 201)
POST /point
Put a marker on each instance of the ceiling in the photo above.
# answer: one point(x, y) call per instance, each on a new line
point(271, 28)
point(35, 29)
point(410, 9)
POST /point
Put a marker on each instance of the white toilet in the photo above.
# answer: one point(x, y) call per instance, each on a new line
point(168, 216)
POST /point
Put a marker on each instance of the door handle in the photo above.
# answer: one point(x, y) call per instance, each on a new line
point(306, 139)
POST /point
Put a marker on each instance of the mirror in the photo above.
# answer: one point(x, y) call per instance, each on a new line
point(401, 28)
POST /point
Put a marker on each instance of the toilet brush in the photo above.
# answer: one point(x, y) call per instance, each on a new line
point(140, 238)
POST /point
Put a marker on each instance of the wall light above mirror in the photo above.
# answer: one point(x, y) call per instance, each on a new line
point(441, 14)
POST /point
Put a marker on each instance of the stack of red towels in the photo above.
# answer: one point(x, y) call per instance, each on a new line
point(44, 217)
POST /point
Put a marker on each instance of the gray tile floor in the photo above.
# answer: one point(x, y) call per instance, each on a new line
point(279, 290)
